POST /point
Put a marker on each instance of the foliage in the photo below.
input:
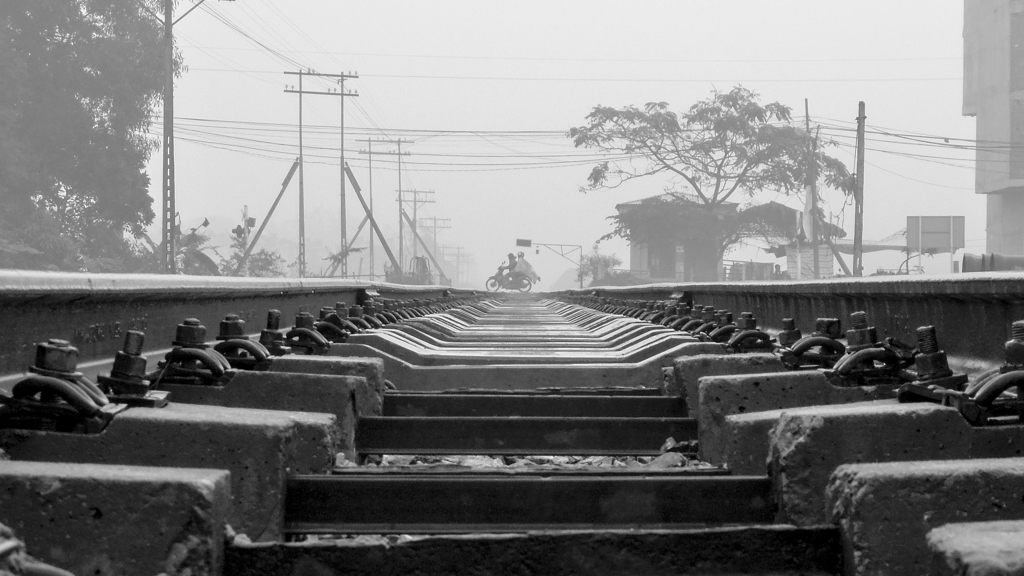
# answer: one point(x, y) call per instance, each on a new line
point(80, 81)
point(261, 263)
point(596, 264)
point(720, 146)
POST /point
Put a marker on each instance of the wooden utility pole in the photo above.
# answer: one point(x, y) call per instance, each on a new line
point(813, 189)
point(369, 153)
point(341, 148)
point(401, 223)
point(858, 198)
point(302, 184)
point(416, 202)
point(437, 224)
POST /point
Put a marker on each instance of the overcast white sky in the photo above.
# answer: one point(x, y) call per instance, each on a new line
point(535, 69)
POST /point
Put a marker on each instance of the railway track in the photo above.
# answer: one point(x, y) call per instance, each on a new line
point(389, 429)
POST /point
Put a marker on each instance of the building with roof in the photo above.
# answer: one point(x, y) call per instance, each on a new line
point(994, 95)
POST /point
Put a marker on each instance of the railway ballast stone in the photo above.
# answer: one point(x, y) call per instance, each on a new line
point(977, 549)
point(689, 369)
point(259, 447)
point(723, 396)
point(114, 520)
point(807, 444)
point(886, 510)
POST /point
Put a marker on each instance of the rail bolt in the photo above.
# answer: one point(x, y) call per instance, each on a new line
point(190, 332)
point(129, 363)
point(274, 320)
point(861, 335)
point(1015, 345)
point(828, 327)
point(790, 334)
point(931, 363)
point(746, 321)
point(355, 311)
point(231, 327)
point(57, 356)
point(304, 320)
point(341, 309)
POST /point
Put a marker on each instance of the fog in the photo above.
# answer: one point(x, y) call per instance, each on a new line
point(484, 92)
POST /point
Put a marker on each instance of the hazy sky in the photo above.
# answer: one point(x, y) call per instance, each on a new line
point(430, 72)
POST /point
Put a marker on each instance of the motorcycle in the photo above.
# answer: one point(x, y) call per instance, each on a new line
point(515, 281)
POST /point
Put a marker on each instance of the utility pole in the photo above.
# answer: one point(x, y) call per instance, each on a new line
point(369, 152)
point(341, 147)
point(302, 184)
point(813, 189)
point(458, 262)
point(167, 203)
point(401, 224)
point(416, 202)
point(437, 224)
point(858, 198)
point(169, 229)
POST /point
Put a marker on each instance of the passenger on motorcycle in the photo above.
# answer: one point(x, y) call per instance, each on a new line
point(507, 271)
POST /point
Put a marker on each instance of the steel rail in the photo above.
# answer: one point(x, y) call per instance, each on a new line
point(981, 305)
point(92, 311)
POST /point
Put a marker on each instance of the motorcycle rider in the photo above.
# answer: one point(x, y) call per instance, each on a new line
point(506, 271)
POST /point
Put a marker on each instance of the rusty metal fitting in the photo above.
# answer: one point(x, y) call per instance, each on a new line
point(190, 334)
point(927, 340)
point(56, 356)
point(231, 327)
point(707, 313)
point(1017, 331)
point(724, 317)
point(305, 320)
point(828, 327)
point(325, 312)
point(861, 336)
point(356, 311)
point(931, 363)
point(129, 364)
point(859, 320)
point(790, 334)
point(341, 309)
point(1015, 345)
point(370, 307)
point(746, 321)
point(273, 320)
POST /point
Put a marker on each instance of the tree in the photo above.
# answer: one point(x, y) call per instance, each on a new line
point(80, 81)
point(596, 265)
point(261, 263)
point(721, 146)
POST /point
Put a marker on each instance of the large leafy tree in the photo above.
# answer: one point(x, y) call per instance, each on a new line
point(725, 148)
point(80, 81)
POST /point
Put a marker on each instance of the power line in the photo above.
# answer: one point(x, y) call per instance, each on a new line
point(644, 80)
point(628, 60)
